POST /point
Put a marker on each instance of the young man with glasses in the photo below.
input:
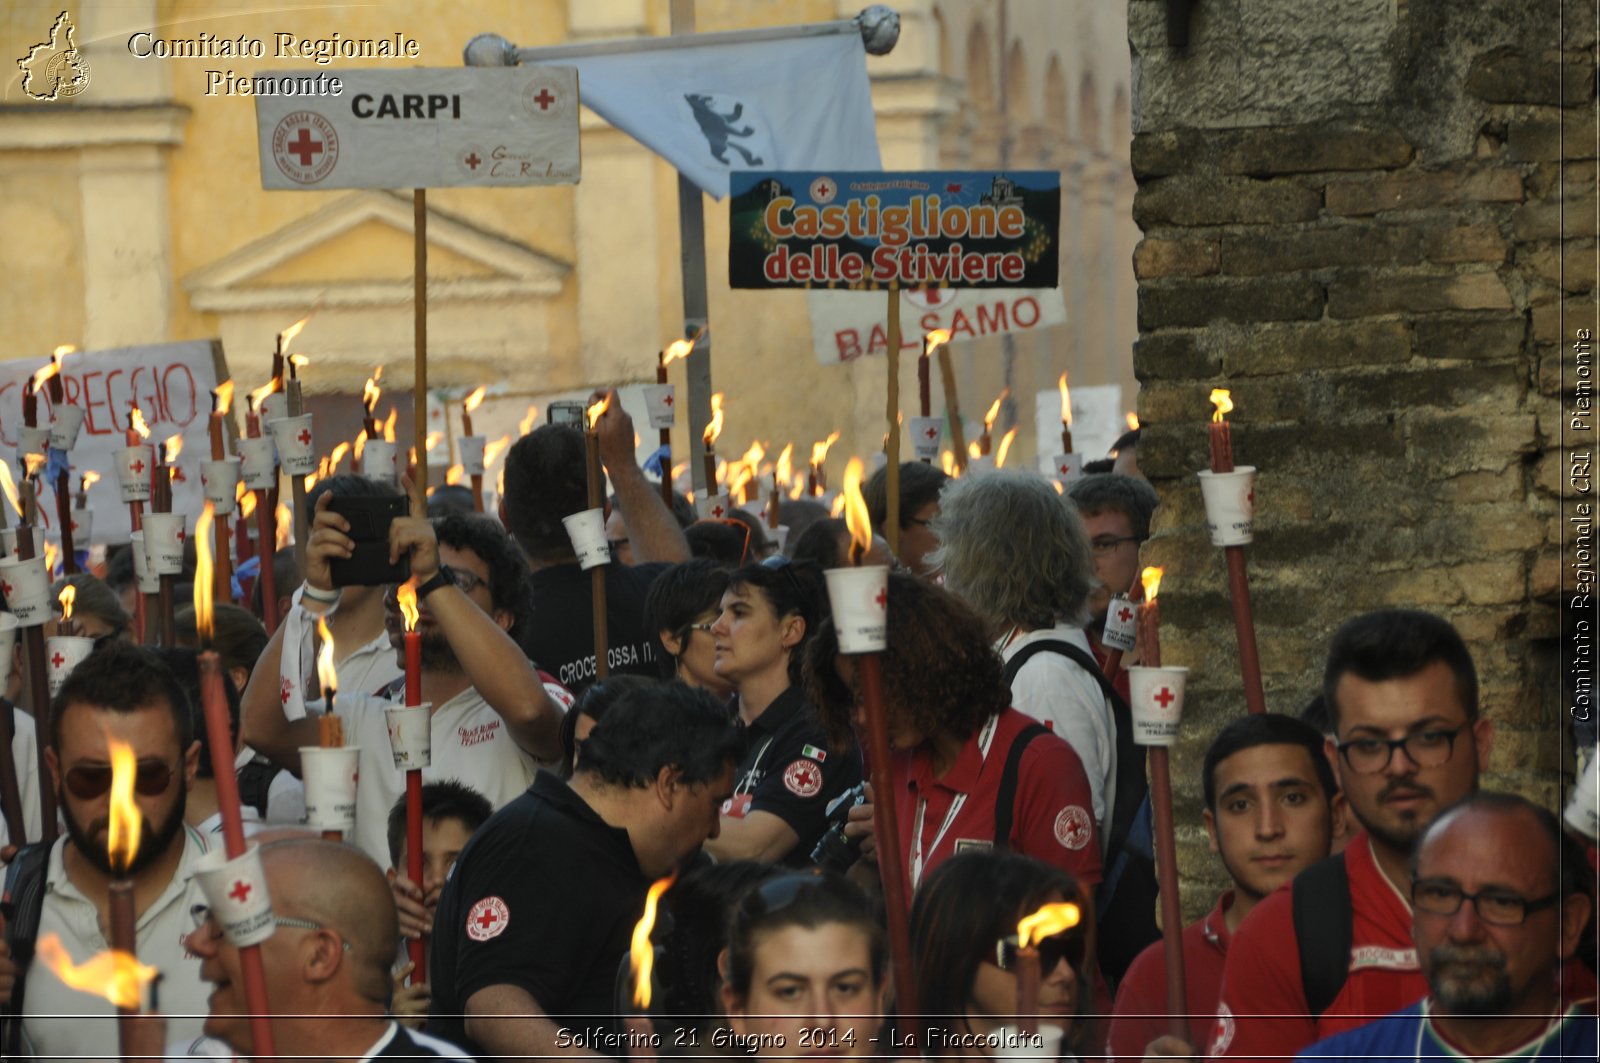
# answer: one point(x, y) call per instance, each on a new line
point(1501, 900)
point(1116, 512)
point(1402, 695)
point(120, 693)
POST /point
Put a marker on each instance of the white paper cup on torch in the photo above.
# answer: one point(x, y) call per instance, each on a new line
point(982, 465)
point(1067, 467)
point(1156, 695)
point(63, 653)
point(32, 439)
point(236, 893)
point(8, 646)
point(714, 507)
point(82, 528)
point(219, 479)
point(660, 401)
point(1230, 499)
point(133, 472)
point(26, 586)
point(330, 779)
point(411, 735)
point(470, 451)
point(860, 600)
point(378, 460)
point(1121, 623)
point(926, 433)
point(8, 541)
point(163, 543)
point(1582, 812)
point(65, 427)
point(587, 530)
point(296, 448)
point(274, 406)
point(258, 463)
point(149, 582)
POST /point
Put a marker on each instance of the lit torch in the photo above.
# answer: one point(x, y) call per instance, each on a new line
point(1047, 921)
point(472, 402)
point(1005, 447)
point(406, 597)
point(709, 438)
point(1066, 415)
point(930, 343)
point(818, 483)
point(122, 844)
point(989, 419)
point(596, 499)
point(1221, 433)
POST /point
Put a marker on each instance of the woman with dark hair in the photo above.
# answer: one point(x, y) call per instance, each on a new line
point(588, 711)
point(803, 972)
point(974, 771)
point(963, 946)
point(787, 780)
point(682, 605)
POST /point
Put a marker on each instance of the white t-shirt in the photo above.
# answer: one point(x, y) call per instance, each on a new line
point(1061, 695)
point(369, 669)
point(471, 744)
point(25, 754)
point(60, 1023)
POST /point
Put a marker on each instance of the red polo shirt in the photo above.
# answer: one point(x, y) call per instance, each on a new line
point(1052, 818)
point(1140, 1015)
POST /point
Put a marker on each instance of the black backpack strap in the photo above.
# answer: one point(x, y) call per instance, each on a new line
point(22, 906)
point(255, 784)
point(1320, 897)
point(1005, 800)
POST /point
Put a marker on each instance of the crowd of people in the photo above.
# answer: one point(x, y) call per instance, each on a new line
point(1381, 905)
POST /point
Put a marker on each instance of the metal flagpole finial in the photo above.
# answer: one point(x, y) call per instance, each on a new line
point(490, 49)
point(880, 28)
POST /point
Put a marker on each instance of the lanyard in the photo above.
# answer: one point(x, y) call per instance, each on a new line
point(748, 782)
point(985, 737)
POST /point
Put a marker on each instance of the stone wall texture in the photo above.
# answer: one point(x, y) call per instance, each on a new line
point(1366, 224)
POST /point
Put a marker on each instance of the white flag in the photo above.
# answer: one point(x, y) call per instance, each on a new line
point(796, 104)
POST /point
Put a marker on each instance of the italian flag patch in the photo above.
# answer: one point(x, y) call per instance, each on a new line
point(814, 753)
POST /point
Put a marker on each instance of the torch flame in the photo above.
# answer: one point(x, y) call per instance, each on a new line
point(31, 464)
point(223, 394)
point(641, 952)
point(327, 675)
point(63, 350)
point(934, 340)
point(973, 450)
point(48, 370)
point(284, 525)
point(838, 507)
point(406, 595)
point(741, 475)
point(299, 361)
point(474, 400)
point(1049, 920)
point(1150, 579)
point(819, 451)
point(598, 408)
point(137, 422)
point(1066, 401)
point(1222, 399)
point(287, 336)
point(994, 411)
point(1133, 421)
point(714, 428)
point(360, 447)
point(453, 474)
point(88, 480)
point(117, 976)
point(247, 503)
point(259, 394)
point(525, 425)
point(126, 821)
point(947, 460)
point(753, 456)
point(10, 486)
point(432, 441)
point(371, 392)
point(786, 464)
point(1005, 445)
point(797, 487)
point(388, 425)
point(678, 349)
point(856, 517)
point(172, 447)
point(493, 449)
point(50, 558)
point(202, 573)
point(69, 594)
point(337, 456)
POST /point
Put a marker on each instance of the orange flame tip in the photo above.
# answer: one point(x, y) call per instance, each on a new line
point(1005, 446)
point(1132, 420)
point(641, 952)
point(1049, 920)
point(388, 425)
point(679, 349)
point(260, 394)
point(1066, 401)
point(223, 393)
point(31, 464)
point(10, 486)
point(172, 446)
point(371, 392)
point(1150, 579)
point(714, 427)
point(327, 675)
point(406, 595)
point(115, 975)
point(453, 474)
point(360, 447)
point(1222, 399)
point(338, 455)
point(948, 461)
point(819, 451)
point(63, 350)
point(137, 422)
point(247, 503)
point(299, 361)
point(786, 464)
point(934, 340)
point(287, 336)
point(69, 594)
point(126, 821)
point(90, 478)
point(474, 400)
point(856, 516)
point(525, 425)
point(493, 448)
point(203, 576)
point(994, 410)
point(596, 409)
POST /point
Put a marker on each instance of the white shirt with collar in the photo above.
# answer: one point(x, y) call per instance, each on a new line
point(370, 669)
point(1060, 694)
point(61, 1023)
point(210, 1048)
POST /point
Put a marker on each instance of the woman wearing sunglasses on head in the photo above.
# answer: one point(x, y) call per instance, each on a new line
point(680, 608)
point(788, 779)
point(964, 946)
point(803, 972)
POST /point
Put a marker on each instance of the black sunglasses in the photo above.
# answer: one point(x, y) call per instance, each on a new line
point(87, 783)
point(776, 894)
point(1068, 945)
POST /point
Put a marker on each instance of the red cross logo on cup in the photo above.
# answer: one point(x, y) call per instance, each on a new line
point(137, 467)
point(1124, 613)
point(241, 890)
point(667, 400)
point(716, 511)
point(544, 99)
point(932, 433)
point(1165, 698)
point(5, 588)
point(304, 437)
point(58, 660)
point(882, 598)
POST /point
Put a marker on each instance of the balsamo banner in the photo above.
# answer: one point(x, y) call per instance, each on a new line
point(912, 229)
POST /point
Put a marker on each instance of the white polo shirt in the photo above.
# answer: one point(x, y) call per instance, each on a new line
point(61, 1023)
point(370, 668)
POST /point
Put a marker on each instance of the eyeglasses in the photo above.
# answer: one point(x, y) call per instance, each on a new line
point(1104, 544)
point(1069, 946)
point(89, 782)
point(1496, 907)
point(776, 894)
point(1425, 749)
point(466, 581)
point(201, 914)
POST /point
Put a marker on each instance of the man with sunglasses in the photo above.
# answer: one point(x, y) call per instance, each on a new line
point(1501, 899)
point(120, 693)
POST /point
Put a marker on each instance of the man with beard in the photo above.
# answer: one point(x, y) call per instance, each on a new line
point(1502, 898)
point(493, 716)
point(120, 694)
point(1402, 696)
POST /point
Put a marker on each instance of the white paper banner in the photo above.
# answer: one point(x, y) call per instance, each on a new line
point(848, 325)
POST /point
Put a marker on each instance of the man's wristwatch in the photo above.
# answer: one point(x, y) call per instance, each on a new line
point(441, 578)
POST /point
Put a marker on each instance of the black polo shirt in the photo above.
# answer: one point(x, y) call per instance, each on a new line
point(560, 636)
point(544, 897)
point(789, 771)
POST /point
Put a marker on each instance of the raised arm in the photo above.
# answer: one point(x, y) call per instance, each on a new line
point(652, 529)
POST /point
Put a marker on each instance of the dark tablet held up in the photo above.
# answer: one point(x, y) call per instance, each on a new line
point(368, 565)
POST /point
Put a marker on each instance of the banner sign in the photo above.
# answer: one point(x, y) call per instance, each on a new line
point(844, 326)
point(171, 383)
point(466, 126)
point(912, 229)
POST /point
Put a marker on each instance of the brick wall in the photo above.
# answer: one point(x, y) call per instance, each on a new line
point(1366, 227)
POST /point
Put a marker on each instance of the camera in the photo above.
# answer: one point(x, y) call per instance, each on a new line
point(835, 851)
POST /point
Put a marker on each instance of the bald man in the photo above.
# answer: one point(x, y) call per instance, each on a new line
point(327, 963)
